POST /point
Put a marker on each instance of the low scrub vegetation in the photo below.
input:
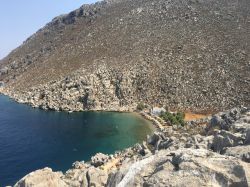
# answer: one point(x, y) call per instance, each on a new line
point(141, 106)
point(173, 118)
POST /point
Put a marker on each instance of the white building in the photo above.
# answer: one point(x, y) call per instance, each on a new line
point(157, 111)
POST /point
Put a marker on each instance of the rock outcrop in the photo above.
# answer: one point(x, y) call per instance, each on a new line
point(185, 167)
point(42, 178)
point(219, 156)
point(99, 159)
point(242, 152)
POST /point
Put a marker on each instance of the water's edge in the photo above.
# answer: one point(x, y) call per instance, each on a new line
point(137, 115)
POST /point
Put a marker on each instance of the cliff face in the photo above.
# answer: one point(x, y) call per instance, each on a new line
point(111, 55)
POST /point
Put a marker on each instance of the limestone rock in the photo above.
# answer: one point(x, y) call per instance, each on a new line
point(99, 159)
point(187, 167)
point(225, 139)
point(96, 177)
point(42, 178)
point(242, 152)
point(160, 141)
point(78, 165)
point(224, 120)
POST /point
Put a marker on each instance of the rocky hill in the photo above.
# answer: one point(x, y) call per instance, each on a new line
point(188, 55)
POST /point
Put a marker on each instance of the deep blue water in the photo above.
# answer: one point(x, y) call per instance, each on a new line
point(31, 139)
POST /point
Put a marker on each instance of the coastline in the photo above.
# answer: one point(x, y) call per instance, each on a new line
point(156, 124)
point(130, 166)
point(101, 169)
point(133, 118)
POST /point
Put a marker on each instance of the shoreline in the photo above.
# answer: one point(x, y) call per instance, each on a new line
point(168, 139)
point(165, 138)
point(156, 123)
point(164, 146)
point(136, 118)
point(141, 114)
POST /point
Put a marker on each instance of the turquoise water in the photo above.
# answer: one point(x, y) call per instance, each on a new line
point(31, 139)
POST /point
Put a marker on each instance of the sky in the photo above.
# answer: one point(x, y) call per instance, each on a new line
point(19, 19)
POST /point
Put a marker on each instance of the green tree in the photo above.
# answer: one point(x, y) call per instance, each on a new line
point(140, 106)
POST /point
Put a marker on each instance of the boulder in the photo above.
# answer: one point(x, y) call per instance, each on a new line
point(152, 140)
point(186, 167)
point(224, 139)
point(224, 120)
point(141, 149)
point(77, 176)
point(96, 177)
point(242, 152)
point(114, 178)
point(241, 126)
point(99, 159)
point(42, 178)
point(247, 138)
point(78, 165)
point(198, 142)
point(159, 141)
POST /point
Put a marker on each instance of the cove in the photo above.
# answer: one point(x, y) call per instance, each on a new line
point(32, 139)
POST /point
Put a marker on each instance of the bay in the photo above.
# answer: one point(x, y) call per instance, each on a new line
point(32, 139)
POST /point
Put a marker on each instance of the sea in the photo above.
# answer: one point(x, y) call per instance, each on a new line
point(32, 139)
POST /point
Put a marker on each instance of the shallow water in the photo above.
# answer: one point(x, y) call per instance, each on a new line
point(31, 139)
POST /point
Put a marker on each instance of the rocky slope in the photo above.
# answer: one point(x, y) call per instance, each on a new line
point(112, 55)
point(217, 156)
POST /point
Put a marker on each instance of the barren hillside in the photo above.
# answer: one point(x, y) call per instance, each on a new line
point(186, 54)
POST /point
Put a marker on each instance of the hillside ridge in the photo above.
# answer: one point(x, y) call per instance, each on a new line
point(112, 55)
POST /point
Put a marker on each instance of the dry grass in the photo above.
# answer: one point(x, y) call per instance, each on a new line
point(192, 116)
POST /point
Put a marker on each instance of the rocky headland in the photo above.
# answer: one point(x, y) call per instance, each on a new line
point(214, 154)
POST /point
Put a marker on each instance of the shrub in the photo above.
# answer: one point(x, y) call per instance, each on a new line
point(181, 115)
point(174, 119)
point(140, 106)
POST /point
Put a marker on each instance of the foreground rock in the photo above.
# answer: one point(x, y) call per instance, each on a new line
point(218, 156)
point(99, 159)
point(185, 167)
point(242, 152)
point(42, 178)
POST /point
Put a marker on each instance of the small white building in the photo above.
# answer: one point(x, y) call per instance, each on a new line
point(157, 111)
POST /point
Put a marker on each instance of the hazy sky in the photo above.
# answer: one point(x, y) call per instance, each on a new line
point(21, 18)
